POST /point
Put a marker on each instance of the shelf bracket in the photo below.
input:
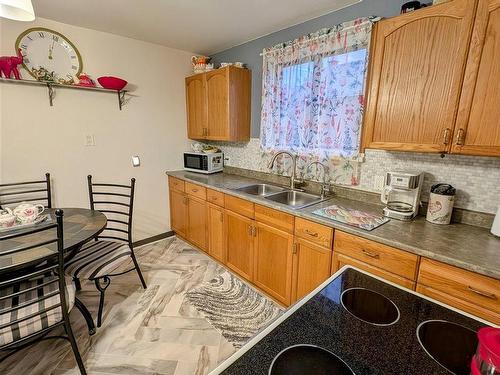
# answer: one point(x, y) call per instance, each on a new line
point(121, 99)
point(51, 94)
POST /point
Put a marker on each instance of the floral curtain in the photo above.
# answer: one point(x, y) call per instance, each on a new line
point(313, 92)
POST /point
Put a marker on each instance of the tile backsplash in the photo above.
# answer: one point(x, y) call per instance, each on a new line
point(476, 178)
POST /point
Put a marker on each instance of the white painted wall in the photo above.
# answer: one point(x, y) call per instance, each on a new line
point(35, 138)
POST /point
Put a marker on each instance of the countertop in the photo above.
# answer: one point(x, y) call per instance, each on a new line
point(322, 320)
point(465, 246)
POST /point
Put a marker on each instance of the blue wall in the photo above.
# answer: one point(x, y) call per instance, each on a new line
point(248, 53)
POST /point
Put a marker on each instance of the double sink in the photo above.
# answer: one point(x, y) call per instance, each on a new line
point(290, 198)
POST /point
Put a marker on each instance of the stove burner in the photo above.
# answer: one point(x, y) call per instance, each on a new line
point(370, 307)
point(310, 360)
point(449, 344)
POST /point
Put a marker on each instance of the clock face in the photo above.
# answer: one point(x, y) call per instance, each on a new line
point(44, 48)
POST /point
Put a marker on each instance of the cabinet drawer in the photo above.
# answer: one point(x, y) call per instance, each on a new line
point(316, 233)
point(381, 256)
point(340, 260)
point(215, 197)
point(175, 184)
point(465, 285)
point(196, 190)
point(274, 218)
point(471, 308)
point(240, 206)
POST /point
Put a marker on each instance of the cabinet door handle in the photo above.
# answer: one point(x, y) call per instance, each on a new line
point(185, 200)
point(221, 217)
point(249, 230)
point(295, 248)
point(460, 137)
point(446, 136)
point(311, 233)
point(481, 293)
point(254, 231)
point(370, 254)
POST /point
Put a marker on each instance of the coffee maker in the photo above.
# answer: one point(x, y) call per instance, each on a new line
point(401, 194)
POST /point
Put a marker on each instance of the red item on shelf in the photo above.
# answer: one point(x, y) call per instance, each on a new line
point(112, 83)
point(85, 80)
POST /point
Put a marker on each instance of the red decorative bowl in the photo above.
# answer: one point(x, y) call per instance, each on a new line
point(112, 83)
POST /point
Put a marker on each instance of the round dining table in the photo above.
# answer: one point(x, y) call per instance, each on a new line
point(80, 225)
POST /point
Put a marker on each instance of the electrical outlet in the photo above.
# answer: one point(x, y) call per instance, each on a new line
point(227, 160)
point(90, 140)
point(378, 183)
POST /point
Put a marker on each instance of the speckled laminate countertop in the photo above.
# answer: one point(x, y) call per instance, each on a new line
point(465, 246)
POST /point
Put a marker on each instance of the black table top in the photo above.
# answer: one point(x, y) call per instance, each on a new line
point(367, 349)
point(79, 226)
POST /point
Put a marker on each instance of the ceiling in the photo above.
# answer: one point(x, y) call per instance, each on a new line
point(203, 26)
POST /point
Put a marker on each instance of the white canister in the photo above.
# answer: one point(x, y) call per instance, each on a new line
point(495, 228)
point(440, 208)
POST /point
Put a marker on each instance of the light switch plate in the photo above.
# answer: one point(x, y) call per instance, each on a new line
point(90, 140)
point(136, 161)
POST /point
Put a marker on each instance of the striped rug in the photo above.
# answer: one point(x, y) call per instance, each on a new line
point(235, 309)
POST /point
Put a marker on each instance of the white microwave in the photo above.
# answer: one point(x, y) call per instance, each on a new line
point(203, 163)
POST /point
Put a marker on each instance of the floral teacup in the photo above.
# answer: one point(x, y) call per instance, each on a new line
point(27, 213)
point(7, 218)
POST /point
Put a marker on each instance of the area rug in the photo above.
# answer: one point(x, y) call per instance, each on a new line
point(234, 308)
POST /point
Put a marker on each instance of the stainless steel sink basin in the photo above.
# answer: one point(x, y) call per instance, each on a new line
point(295, 199)
point(262, 190)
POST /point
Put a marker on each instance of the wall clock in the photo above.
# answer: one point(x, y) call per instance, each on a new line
point(45, 48)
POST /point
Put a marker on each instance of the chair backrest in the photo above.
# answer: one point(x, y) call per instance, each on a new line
point(28, 191)
point(117, 203)
point(35, 288)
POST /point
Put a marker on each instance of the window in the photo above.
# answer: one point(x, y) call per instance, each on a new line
point(313, 92)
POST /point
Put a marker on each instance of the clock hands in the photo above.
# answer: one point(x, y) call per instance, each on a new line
point(51, 49)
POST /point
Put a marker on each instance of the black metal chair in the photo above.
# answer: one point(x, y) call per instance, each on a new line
point(98, 260)
point(29, 191)
point(34, 300)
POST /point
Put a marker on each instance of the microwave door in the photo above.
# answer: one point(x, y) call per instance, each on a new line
point(193, 161)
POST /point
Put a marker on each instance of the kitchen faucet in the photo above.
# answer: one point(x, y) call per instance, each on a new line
point(293, 178)
point(325, 186)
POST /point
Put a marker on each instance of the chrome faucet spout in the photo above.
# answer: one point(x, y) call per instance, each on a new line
point(293, 157)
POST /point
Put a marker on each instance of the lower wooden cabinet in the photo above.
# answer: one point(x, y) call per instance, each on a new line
point(178, 212)
point(273, 262)
point(197, 222)
point(239, 244)
point(465, 290)
point(340, 260)
point(311, 266)
point(216, 232)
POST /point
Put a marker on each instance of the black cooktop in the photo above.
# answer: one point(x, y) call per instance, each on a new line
point(371, 326)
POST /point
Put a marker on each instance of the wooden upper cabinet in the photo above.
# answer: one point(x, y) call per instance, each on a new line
point(477, 131)
point(218, 104)
point(196, 106)
point(416, 69)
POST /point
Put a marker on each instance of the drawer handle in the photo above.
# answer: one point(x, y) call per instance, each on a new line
point(311, 233)
point(370, 254)
point(194, 190)
point(481, 293)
